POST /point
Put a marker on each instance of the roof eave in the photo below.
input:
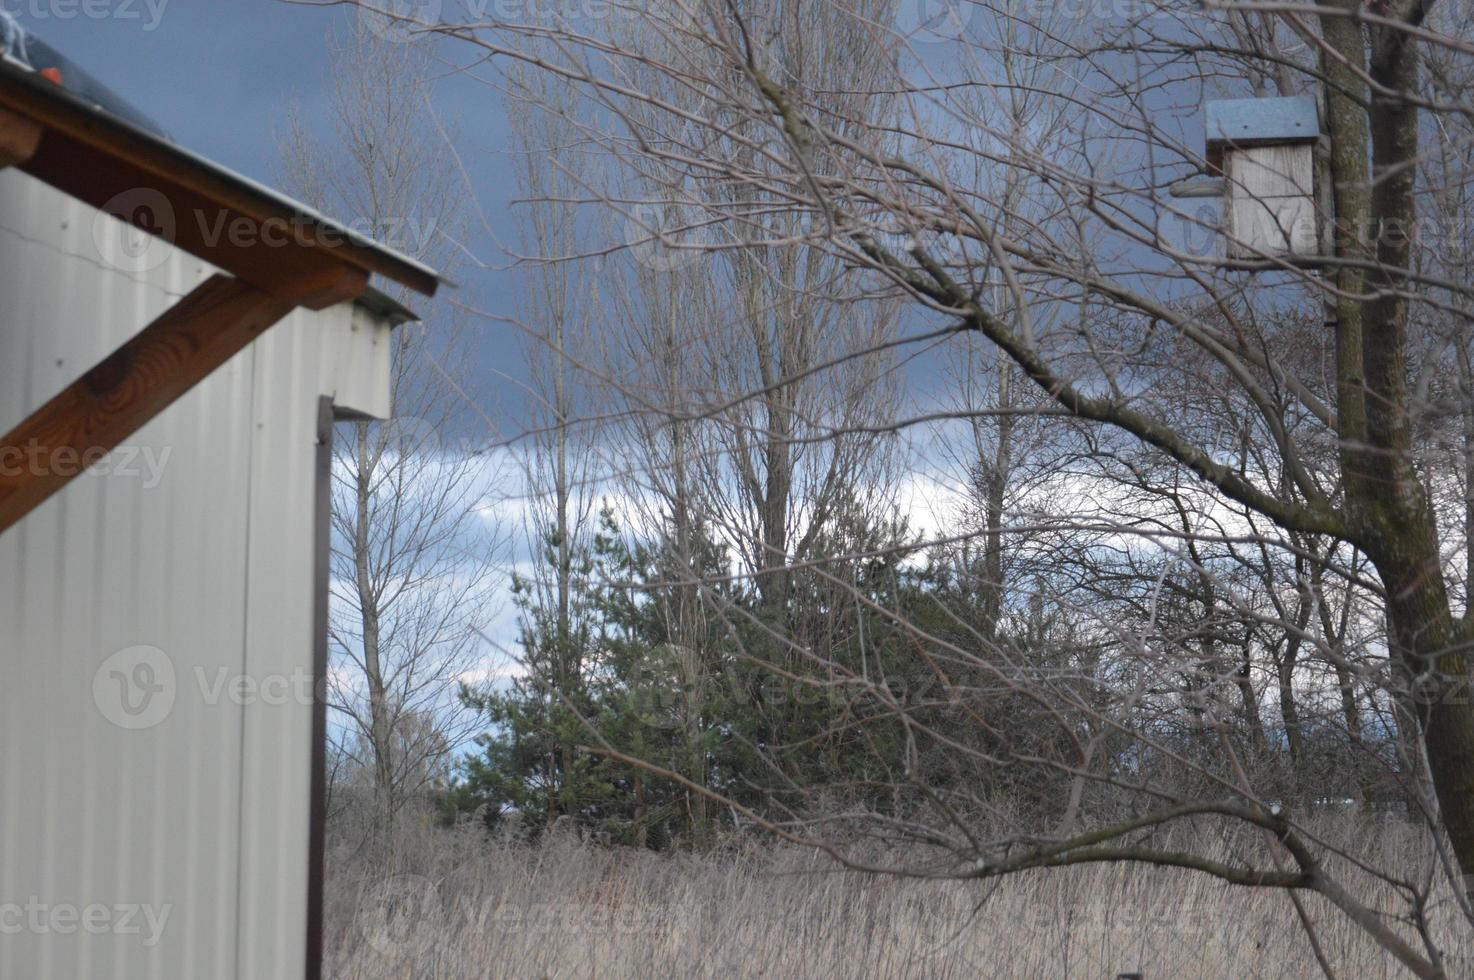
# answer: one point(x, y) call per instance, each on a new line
point(218, 215)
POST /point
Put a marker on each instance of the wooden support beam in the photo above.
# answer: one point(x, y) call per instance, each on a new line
point(109, 403)
point(319, 288)
point(19, 138)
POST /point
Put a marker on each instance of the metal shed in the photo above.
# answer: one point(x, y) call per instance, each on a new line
point(163, 532)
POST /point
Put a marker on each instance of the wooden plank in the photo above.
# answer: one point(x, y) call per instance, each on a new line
point(1271, 210)
point(1271, 171)
point(321, 288)
point(136, 382)
point(1276, 226)
point(19, 138)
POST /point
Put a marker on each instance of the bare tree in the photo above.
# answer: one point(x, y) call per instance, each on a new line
point(758, 383)
point(559, 457)
point(663, 442)
point(410, 553)
point(1279, 402)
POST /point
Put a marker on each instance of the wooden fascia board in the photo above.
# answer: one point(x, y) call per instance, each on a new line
point(19, 138)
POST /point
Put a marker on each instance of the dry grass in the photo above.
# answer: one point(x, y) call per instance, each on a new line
point(455, 906)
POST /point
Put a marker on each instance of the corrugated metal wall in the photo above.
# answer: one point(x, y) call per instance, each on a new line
point(156, 627)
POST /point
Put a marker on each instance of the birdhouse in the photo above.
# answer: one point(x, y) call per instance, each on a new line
point(1264, 150)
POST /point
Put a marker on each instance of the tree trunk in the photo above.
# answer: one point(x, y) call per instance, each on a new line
point(640, 832)
point(995, 479)
point(1390, 512)
point(380, 728)
point(1345, 682)
point(1285, 674)
point(1249, 699)
point(777, 492)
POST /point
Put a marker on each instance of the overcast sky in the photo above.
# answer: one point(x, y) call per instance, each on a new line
point(220, 76)
point(216, 73)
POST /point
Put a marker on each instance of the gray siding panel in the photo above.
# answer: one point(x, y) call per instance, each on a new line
point(202, 816)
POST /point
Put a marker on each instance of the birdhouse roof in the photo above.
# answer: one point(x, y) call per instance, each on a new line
point(1292, 119)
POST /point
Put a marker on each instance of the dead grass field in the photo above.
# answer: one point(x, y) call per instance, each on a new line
point(454, 906)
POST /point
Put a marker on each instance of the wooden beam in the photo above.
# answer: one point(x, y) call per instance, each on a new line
point(321, 287)
point(19, 138)
point(109, 403)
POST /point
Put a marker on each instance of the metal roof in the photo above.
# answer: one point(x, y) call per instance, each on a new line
point(386, 307)
point(1290, 119)
point(34, 53)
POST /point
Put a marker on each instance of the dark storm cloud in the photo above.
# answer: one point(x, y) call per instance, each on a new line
point(220, 76)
